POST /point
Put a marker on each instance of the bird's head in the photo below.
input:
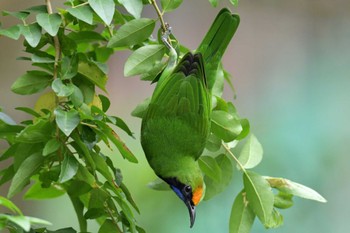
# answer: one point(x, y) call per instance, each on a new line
point(190, 190)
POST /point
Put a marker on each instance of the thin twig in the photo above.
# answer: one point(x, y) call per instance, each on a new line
point(234, 157)
point(164, 25)
point(56, 42)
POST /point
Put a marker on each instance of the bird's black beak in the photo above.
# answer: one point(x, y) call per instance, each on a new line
point(192, 211)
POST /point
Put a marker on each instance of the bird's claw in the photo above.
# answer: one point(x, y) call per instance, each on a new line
point(165, 36)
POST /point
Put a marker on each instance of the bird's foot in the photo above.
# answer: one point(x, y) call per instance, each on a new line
point(165, 36)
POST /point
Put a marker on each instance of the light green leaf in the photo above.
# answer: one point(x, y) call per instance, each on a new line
point(93, 73)
point(259, 195)
point(32, 82)
point(290, 187)
point(51, 146)
point(133, 32)
point(275, 221)
point(69, 67)
point(21, 221)
point(102, 167)
point(283, 200)
point(143, 59)
point(109, 226)
point(234, 2)
point(28, 168)
point(141, 108)
point(13, 32)
point(49, 22)
point(225, 126)
point(158, 184)
point(213, 143)
point(103, 8)
point(77, 97)
point(40, 131)
point(10, 205)
point(36, 221)
point(214, 3)
point(242, 216)
point(37, 192)
point(67, 121)
point(170, 5)
point(134, 7)
point(39, 58)
point(7, 119)
point(83, 13)
point(251, 153)
point(69, 168)
point(210, 167)
point(32, 34)
point(61, 89)
point(212, 187)
point(22, 15)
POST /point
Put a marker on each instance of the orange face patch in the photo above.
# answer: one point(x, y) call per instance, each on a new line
point(197, 195)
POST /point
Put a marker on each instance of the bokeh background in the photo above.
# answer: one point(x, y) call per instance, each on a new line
point(290, 62)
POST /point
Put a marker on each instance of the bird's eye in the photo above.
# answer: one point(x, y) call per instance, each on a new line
point(188, 189)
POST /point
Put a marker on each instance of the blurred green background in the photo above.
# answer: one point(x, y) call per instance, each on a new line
point(290, 62)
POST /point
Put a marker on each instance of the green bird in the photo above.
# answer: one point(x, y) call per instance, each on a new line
point(176, 125)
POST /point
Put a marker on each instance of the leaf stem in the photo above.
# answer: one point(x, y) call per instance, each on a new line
point(164, 25)
point(56, 41)
point(234, 157)
point(79, 210)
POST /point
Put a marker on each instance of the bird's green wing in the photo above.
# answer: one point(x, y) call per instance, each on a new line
point(215, 42)
point(181, 105)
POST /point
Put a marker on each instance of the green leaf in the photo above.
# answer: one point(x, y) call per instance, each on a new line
point(251, 153)
point(158, 184)
point(296, 189)
point(259, 195)
point(40, 131)
point(37, 192)
point(10, 205)
point(214, 3)
point(61, 89)
point(49, 22)
point(51, 146)
point(212, 187)
point(67, 121)
point(283, 200)
point(37, 9)
point(41, 58)
point(93, 73)
point(143, 59)
point(32, 82)
point(98, 198)
point(132, 33)
point(77, 97)
point(30, 111)
point(209, 166)
point(275, 221)
point(170, 5)
point(113, 137)
point(22, 15)
point(234, 2)
point(69, 168)
point(121, 124)
point(141, 108)
point(7, 119)
point(69, 67)
point(242, 216)
point(22, 221)
point(28, 168)
point(225, 126)
point(213, 143)
point(134, 7)
point(32, 34)
point(109, 226)
point(103, 8)
point(102, 167)
point(13, 32)
point(83, 13)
